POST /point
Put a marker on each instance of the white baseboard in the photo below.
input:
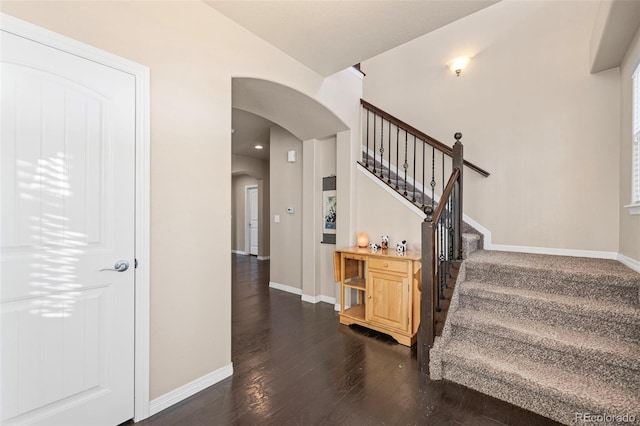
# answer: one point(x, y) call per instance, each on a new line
point(631, 263)
point(553, 251)
point(244, 253)
point(286, 288)
point(486, 234)
point(337, 307)
point(318, 299)
point(263, 257)
point(183, 392)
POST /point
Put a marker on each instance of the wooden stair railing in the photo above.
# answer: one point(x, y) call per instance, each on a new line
point(410, 130)
point(441, 247)
point(399, 154)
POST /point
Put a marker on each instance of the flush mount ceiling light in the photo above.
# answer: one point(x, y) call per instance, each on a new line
point(258, 147)
point(458, 64)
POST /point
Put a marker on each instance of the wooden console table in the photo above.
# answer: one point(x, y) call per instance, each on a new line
point(387, 287)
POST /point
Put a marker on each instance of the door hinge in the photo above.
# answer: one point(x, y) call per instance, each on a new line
point(135, 263)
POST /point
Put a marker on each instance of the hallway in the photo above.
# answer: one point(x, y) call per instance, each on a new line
point(294, 364)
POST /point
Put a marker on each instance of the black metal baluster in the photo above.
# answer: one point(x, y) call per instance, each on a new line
point(397, 157)
point(374, 142)
point(444, 225)
point(389, 179)
point(424, 161)
point(382, 146)
point(449, 239)
point(437, 253)
point(443, 183)
point(405, 165)
point(441, 256)
point(433, 178)
point(415, 154)
point(437, 263)
point(451, 230)
point(366, 153)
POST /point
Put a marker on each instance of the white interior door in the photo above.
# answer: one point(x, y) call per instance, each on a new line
point(67, 211)
point(252, 196)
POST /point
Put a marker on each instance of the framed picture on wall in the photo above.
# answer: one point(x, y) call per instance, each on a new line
point(329, 210)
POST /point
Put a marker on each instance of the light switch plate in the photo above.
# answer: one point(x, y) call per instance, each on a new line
point(276, 218)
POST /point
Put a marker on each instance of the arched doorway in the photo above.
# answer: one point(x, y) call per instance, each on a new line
point(302, 140)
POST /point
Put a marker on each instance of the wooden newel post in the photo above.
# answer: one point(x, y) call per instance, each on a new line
point(426, 329)
point(458, 163)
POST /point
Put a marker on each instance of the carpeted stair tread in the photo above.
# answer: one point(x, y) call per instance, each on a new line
point(601, 348)
point(552, 334)
point(624, 313)
point(518, 371)
point(606, 271)
point(471, 243)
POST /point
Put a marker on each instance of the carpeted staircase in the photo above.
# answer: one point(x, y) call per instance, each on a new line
point(556, 335)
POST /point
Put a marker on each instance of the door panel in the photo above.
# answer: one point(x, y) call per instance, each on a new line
point(388, 300)
point(253, 221)
point(67, 152)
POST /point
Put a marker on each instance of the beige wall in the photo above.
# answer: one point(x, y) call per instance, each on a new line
point(193, 52)
point(325, 166)
point(286, 191)
point(317, 277)
point(380, 213)
point(629, 224)
point(530, 112)
point(239, 222)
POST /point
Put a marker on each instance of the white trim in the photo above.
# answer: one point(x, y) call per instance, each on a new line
point(627, 261)
point(486, 234)
point(247, 232)
point(284, 287)
point(633, 208)
point(142, 182)
point(328, 299)
point(357, 73)
point(317, 299)
point(183, 392)
point(554, 251)
point(337, 307)
point(143, 244)
point(244, 253)
point(263, 258)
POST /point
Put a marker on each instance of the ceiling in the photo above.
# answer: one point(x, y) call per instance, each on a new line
point(329, 36)
point(259, 105)
point(250, 130)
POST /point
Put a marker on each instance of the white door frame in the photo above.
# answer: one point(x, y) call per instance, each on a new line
point(142, 205)
point(247, 218)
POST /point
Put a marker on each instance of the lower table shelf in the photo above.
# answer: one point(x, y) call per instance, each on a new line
point(356, 312)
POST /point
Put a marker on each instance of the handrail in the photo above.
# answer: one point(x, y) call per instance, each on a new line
point(421, 135)
point(435, 216)
point(441, 246)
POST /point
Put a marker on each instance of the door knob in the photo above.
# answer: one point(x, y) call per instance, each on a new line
point(120, 266)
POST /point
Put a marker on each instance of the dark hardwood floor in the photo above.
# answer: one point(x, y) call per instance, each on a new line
point(294, 364)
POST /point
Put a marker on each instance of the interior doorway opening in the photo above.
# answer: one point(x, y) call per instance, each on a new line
point(251, 219)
